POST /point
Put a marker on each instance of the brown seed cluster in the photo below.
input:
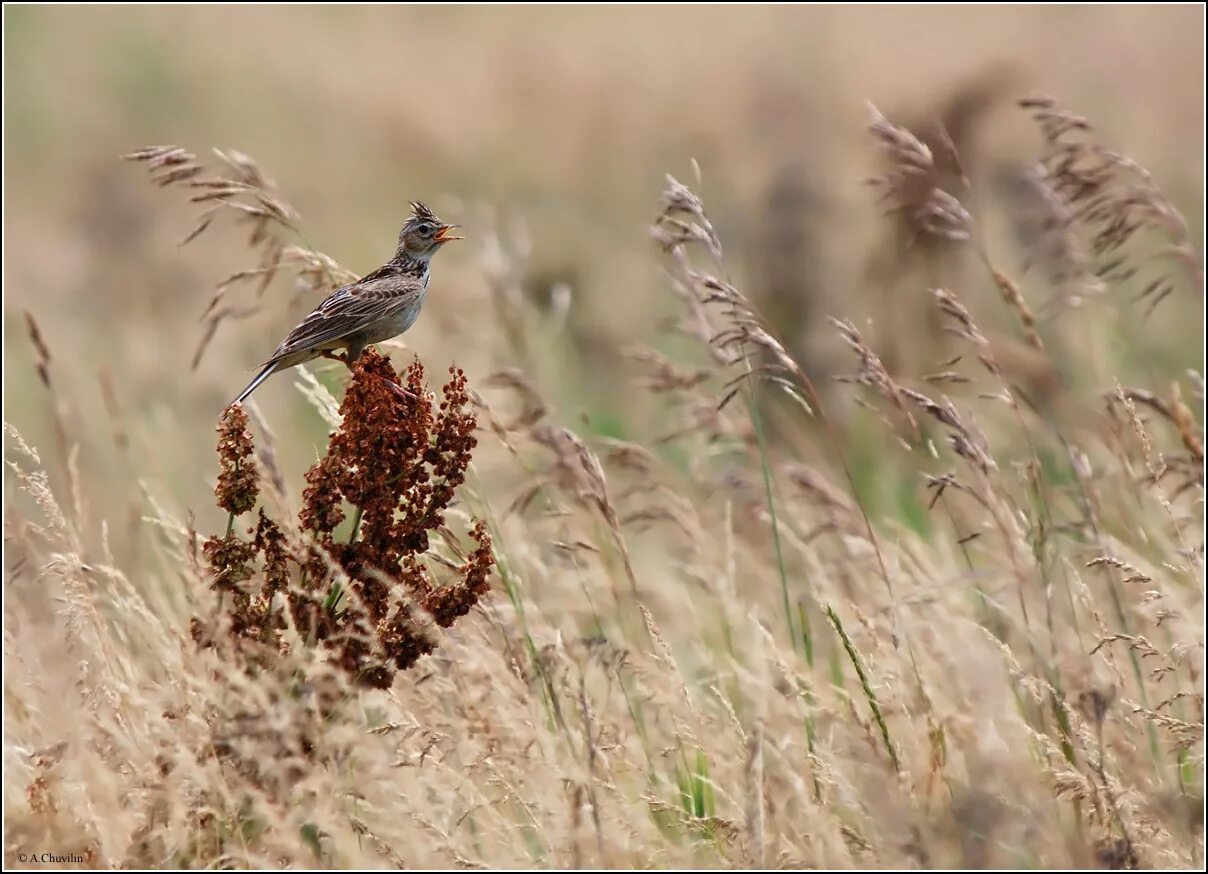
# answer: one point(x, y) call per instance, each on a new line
point(237, 488)
point(393, 467)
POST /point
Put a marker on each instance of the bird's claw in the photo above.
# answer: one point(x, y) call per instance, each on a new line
point(343, 359)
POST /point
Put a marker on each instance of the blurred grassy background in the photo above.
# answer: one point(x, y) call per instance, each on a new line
point(559, 121)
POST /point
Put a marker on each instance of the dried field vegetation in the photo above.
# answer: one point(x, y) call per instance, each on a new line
point(705, 645)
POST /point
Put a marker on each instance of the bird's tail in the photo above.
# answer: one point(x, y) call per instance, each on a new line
point(269, 370)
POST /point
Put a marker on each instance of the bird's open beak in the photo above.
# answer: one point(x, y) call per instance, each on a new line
point(443, 235)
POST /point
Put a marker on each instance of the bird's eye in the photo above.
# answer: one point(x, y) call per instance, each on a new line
point(425, 229)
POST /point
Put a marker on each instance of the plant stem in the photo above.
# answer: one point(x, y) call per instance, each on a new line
point(854, 656)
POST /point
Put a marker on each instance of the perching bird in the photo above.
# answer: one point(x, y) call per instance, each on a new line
point(377, 307)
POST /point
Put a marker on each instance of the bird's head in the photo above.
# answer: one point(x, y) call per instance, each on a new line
point(423, 233)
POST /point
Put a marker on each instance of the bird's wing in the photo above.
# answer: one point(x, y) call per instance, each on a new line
point(350, 309)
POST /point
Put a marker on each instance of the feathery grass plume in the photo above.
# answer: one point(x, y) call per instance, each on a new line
point(398, 461)
point(908, 192)
point(909, 187)
point(241, 189)
point(873, 374)
point(959, 321)
point(244, 189)
point(1174, 411)
point(1117, 204)
point(1187, 468)
point(1012, 296)
point(967, 441)
point(923, 186)
point(742, 329)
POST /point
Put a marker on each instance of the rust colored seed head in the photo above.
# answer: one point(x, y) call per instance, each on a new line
point(397, 459)
point(321, 510)
point(237, 488)
point(451, 603)
point(271, 543)
point(230, 561)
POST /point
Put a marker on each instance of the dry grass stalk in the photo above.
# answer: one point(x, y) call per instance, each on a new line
point(1010, 294)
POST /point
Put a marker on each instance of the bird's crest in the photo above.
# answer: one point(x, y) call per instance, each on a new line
point(423, 212)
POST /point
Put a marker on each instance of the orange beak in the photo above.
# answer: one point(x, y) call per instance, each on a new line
point(443, 235)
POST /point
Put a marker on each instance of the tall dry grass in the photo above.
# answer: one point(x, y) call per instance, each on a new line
point(711, 644)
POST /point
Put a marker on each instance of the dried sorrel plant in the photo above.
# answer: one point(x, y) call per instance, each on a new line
point(397, 461)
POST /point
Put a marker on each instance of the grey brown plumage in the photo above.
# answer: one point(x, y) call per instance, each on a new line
point(381, 305)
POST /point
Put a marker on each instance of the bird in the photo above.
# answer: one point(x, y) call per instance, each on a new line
point(377, 307)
